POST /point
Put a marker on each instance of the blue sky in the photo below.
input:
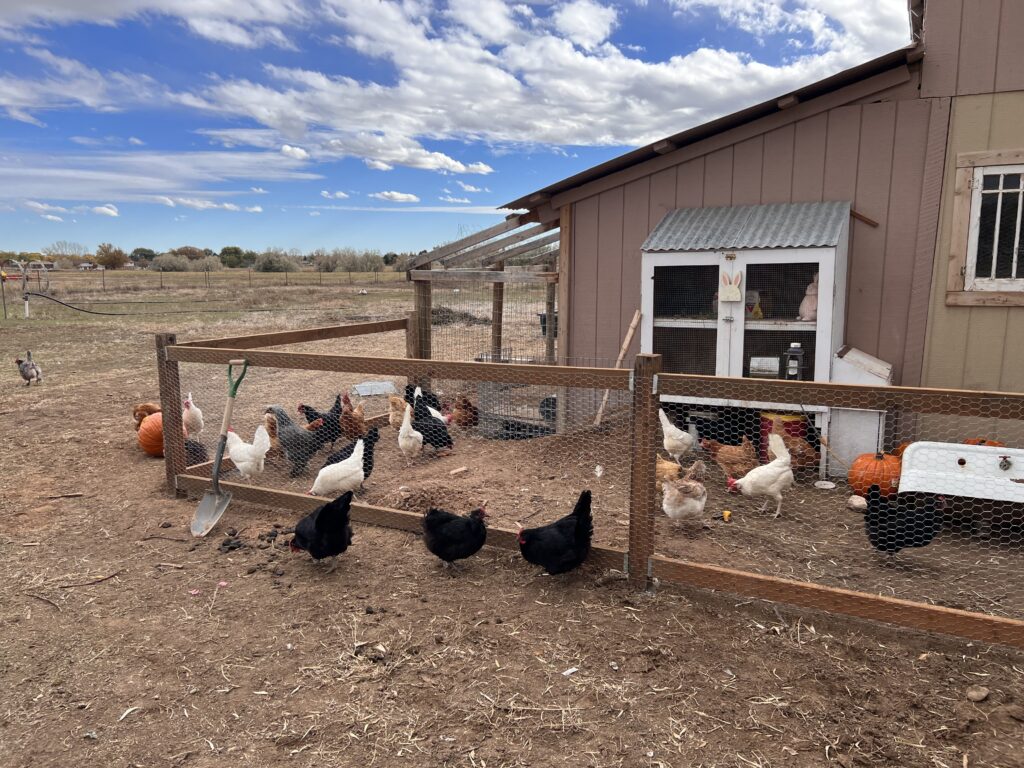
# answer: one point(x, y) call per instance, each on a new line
point(390, 124)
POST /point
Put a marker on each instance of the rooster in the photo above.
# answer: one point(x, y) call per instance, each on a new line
point(410, 442)
point(770, 480)
point(326, 531)
point(192, 417)
point(248, 457)
point(677, 443)
point(29, 370)
point(734, 460)
point(454, 537)
point(142, 410)
point(564, 544)
point(341, 477)
point(905, 521)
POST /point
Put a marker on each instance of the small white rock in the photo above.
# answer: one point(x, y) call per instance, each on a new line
point(857, 503)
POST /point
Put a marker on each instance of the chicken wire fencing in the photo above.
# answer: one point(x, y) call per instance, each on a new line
point(525, 450)
point(763, 487)
point(918, 497)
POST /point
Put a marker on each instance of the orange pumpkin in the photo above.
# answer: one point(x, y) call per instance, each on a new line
point(881, 469)
point(898, 453)
point(983, 441)
point(151, 434)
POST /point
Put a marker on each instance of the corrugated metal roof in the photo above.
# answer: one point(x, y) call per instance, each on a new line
point(784, 225)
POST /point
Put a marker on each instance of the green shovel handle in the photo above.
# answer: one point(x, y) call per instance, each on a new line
point(233, 384)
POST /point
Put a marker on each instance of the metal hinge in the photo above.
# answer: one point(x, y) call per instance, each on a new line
point(973, 183)
point(654, 386)
point(632, 380)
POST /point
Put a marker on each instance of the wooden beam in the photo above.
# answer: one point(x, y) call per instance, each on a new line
point(259, 340)
point(169, 379)
point(905, 613)
point(386, 517)
point(957, 402)
point(564, 283)
point(497, 313)
point(495, 246)
point(519, 250)
point(861, 217)
point(544, 256)
point(550, 323)
point(641, 473)
point(511, 222)
point(984, 299)
point(545, 375)
point(481, 275)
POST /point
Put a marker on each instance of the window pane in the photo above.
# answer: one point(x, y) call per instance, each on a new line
point(1007, 229)
point(990, 181)
point(1011, 181)
point(986, 235)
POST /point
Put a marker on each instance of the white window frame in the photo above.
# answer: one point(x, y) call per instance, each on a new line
point(972, 281)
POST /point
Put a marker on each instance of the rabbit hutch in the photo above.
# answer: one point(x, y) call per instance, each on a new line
point(754, 291)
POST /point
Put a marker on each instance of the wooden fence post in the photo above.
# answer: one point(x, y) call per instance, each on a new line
point(170, 403)
point(497, 315)
point(551, 324)
point(422, 306)
point(641, 476)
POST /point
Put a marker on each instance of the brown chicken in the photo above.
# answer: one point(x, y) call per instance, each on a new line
point(270, 422)
point(353, 425)
point(801, 452)
point(396, 410)
point(665, 470)
point(464, 413)
point(142, 410)
point(735, 460)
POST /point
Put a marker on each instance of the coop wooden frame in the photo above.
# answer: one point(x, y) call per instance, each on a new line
point(639, 561)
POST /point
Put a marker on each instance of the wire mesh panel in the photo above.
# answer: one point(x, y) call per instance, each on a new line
point(918, 497)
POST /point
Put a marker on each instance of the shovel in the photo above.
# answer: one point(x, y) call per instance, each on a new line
point(215, 501)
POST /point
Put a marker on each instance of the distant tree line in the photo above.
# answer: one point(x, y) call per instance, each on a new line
point(190, 258)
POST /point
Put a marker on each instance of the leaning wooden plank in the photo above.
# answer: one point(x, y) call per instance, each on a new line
point(618, 362)
point(481, 275)
point(306, 334)
point(510, 223)
point(959, 402)
point(519, 250)
point(547, 375)
point(495, 246)
point(601, 557)
point(932, 618)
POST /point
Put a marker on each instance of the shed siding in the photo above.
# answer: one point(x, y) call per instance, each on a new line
point(972, 47)
point(847, 153)
point(970, 346)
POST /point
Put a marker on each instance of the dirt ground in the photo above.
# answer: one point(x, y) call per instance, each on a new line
point(124, 642)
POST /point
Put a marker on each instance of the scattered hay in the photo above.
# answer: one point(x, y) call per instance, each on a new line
point(449, 316)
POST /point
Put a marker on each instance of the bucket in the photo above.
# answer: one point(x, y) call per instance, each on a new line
point(793, 425)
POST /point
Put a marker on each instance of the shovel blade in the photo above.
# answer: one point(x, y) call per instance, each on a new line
point(210, 510)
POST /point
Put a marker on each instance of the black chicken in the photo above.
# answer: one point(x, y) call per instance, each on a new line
point(326, 531)
point(330, 431)
point(434, 430)
point(454, 537)
point(902, 522)
point(298, 444)
point(428, 397)
point(368, 442)
point(562, 545)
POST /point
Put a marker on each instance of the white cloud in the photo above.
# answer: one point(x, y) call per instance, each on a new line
point(135, 141)
point(242, 23)
point(395, 197)
point(38, 207)
point(106, 210)
point(467, 187)
point(450, 199)
point(295, 153)
point(586, 22)
point(314, 213)
point(378, 165)
point(165, 200)
point(50, 217)
point(339, 195)
point(258, 190)
point(254, 209)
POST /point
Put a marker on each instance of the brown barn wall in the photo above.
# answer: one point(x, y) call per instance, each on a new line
point(973, 47)
point(871, 154)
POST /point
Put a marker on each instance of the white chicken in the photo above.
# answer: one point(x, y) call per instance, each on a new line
point(677, 443)
point(248, 457)
point(335, 479)
point(768, 480)
point(409, 440)
point(192, 417)
point(683, 501)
